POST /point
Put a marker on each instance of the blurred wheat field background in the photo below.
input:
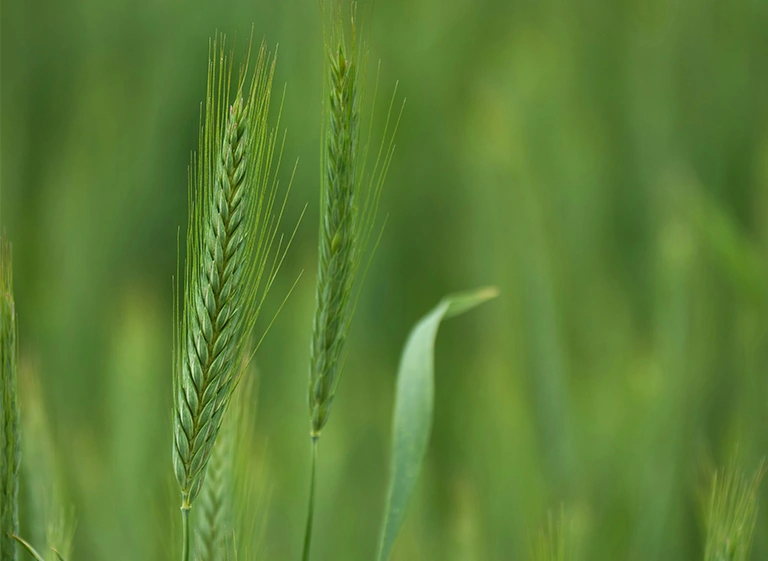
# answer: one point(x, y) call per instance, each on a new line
point(603, 162)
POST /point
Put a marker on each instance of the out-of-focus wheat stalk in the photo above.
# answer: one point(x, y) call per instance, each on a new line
point(10, 434)
point(229, 521)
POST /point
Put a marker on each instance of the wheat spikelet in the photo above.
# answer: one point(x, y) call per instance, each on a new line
point(10, 438)
point(232, 227)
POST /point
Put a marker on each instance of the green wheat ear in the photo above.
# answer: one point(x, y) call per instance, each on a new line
point(230, 264)
point(349, 200)
point(731, 514)
point(10, 437)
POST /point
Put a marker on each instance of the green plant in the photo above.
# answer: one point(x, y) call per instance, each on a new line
point(414, 410)
point(46, 503)
point(10, 437)
point(227, 523)
point(349, 199)
point(229, 266)
point(57, 521)
point(340, 230)
point(52, 519)
point(731, 514)
point(213, 523)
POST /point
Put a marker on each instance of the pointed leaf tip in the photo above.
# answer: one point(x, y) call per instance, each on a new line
point(462, 302)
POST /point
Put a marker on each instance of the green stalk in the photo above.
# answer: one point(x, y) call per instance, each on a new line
point(311, 507)
point(340, 237)
point(349, 200)
point(184, 534)
point(10, 437)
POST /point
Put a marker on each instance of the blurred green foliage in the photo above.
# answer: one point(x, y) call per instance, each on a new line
point(604, 162)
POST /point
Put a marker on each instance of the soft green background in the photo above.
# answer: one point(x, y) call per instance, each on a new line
point(604, 162)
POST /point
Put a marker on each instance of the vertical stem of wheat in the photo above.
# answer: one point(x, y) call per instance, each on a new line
point(10, 438)
point(185, 534)
point(311, 509)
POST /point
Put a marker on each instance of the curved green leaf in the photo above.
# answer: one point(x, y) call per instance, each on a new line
point(414, 403)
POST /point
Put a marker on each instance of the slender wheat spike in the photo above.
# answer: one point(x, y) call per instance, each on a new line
point(338, 237)
point(10, 437)
point(731, 514)
point(349, 200)
point(229, 266)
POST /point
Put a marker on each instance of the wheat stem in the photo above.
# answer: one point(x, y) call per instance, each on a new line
point(311, 509)
point(184, 533)
point(10, 437)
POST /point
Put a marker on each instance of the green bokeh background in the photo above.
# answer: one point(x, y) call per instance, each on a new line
point(604, 162)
